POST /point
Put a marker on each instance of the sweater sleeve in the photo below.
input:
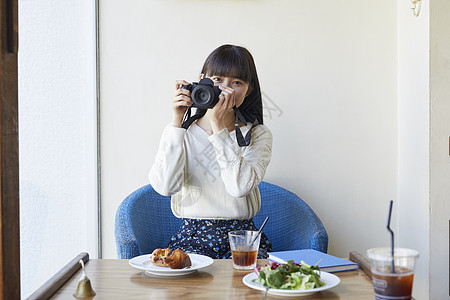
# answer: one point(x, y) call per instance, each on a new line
point(242, 168)
point(167, 173)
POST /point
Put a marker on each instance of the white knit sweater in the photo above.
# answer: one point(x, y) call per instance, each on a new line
point(210, 176)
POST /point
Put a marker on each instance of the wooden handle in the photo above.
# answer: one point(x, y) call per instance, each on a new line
point(362, 261)
point(12, 27)
point(59, 279)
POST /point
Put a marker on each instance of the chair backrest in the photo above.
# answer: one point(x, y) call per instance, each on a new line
point(146, 218)
point(292, 223)
point(144, 222)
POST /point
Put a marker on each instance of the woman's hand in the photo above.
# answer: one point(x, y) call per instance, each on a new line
point(181, 100)
point(227, 99)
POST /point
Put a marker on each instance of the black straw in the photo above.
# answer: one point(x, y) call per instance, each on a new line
point(260, 229)
point(392, 235)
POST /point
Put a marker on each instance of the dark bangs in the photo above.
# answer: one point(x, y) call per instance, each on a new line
point(229, 61)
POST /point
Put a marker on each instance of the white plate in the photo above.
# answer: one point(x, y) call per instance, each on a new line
point(330, 282)
point(143, 263)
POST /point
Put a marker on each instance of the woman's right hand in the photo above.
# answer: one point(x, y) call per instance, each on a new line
point(181, 100)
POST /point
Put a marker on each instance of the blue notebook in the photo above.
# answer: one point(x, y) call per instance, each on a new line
point(327, 262)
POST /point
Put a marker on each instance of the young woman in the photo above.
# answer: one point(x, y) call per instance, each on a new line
point(211, 171)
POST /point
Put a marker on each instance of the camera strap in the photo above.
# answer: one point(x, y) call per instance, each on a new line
point(242, 142)
point(188, 120)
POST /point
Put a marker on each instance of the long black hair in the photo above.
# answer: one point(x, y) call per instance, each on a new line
point(237, 62)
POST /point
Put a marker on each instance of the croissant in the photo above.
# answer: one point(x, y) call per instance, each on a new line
point(158, 257)
point(175, 259)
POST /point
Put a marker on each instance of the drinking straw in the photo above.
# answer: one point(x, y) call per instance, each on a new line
point(259, 231)
point(392, 235)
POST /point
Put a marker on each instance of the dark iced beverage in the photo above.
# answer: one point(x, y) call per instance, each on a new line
point(244, 257)
point(392, 275)
point(244, 246)
point(396, 285)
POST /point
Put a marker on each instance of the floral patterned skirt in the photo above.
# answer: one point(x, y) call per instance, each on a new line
point(210, 237)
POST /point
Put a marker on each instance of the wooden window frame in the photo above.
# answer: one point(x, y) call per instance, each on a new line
point(9, 154)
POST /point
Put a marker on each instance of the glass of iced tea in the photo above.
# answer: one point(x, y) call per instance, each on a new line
point(244, 246)
point(392, 276)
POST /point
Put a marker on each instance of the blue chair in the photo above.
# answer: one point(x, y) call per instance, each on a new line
point(144, 222)
point(292, 223)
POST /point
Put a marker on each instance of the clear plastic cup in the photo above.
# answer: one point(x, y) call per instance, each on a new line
point(392, 277)
point(243, 251)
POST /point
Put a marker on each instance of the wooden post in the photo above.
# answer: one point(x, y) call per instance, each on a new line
point(9, 154)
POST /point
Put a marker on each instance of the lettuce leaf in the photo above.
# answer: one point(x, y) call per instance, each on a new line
point(290, 276)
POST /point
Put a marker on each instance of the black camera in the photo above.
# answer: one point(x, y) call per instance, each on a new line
point(204, 94)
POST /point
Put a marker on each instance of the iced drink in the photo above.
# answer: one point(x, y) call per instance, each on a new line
point(244, 246)
point(392, 277)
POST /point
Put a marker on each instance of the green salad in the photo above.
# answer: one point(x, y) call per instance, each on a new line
point(289, 276)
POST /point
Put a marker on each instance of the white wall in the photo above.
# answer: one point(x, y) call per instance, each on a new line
point(329, 66)
point(439, 148)
point(413, 142)
point(57, 136)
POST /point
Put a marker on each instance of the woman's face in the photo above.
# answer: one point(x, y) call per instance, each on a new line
point(241, 88)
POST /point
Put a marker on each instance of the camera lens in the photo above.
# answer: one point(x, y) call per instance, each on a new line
point(203, 96)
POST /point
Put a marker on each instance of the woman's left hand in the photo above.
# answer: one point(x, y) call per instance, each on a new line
point(227, 99)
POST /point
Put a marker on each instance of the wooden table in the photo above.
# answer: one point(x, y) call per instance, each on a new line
point(116, 279)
